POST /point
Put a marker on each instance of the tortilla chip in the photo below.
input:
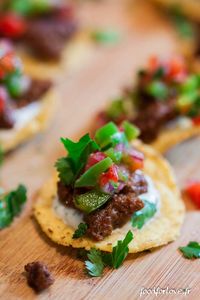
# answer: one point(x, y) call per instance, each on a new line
point(75, 53)
point(164, 228)
point(37, 124)
point(169, 138)
point(190, 8)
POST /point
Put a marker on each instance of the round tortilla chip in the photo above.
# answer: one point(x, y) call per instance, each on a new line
point(190, 8)
point(38, 123)
point(75, 53)
point(164, 228)
point(169, 138)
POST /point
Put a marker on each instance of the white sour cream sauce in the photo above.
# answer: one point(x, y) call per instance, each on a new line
point(180, 122)
point(73, 217)
point(22, 116)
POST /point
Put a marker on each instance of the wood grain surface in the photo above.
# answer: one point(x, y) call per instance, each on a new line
point(82, 94)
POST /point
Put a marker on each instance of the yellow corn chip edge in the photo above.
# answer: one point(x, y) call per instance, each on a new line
point(164, 228)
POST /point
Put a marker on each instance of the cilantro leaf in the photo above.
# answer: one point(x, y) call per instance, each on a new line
point(140, 217)
point(82, 227)
point(119, 252)
point(95, 263)
point(69, 167)
point(106, 36)
point(192, 250)
point(1, 155)
point(11, 205)
point(64, 170)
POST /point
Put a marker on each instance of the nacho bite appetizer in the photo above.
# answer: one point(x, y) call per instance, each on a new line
point(26, 104)
point(185, 17)
point(107, 187)
point(44, 32)
point(164, 103)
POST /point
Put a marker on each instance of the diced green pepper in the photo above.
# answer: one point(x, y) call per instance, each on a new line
point(116, 109)
point(131, 131)
point(191, 84)
point(14, 84)
point(158, 90)
point(91, 176)
point(28, 7)
point(103, 134)
point(115, 155)
point(90, 201)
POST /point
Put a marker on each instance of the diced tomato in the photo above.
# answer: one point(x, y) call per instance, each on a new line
point(94, 158)
point(7, 63)
point(134, 159)
point(110, 175)
point(196, 121)
point(12, 26)
point(66, 12)
point(177, 69)
point(193, 191)
point(3, 97)
point(153, 63)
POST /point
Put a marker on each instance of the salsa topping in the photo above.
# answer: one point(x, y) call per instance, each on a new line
point(16, 89)
point(43, 26)
point(103, 178)
point(164, 90)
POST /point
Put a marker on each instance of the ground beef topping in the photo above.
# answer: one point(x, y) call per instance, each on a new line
point(117, 211)
point(38, 276)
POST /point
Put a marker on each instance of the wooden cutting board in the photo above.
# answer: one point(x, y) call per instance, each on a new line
point(81, 95)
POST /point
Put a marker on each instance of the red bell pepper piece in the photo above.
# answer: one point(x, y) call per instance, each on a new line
point(193, 191)
point(110, 175)
point(196, 121)
point(12, 26)
point(94, 158)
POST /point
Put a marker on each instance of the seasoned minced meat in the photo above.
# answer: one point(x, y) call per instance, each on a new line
point(38, 276)
point(118, 210)
point(47, 36)
point(35, 92)
point(65, 194)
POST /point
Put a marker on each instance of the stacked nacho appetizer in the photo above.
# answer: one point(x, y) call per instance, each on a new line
point(44, 32)
point(107, 188)
point(26, 104)
point(185, 17)
point(164, 103)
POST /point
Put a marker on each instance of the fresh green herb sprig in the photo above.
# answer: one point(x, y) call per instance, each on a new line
point(192, 250)
point(80, 231)
point(140, 217)
point(106, 36)
point(98, 260)
point(11, 205)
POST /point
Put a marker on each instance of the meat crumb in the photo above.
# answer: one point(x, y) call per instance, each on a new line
point(38, 276)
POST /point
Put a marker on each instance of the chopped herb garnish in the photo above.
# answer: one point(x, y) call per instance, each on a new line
point(95, 263)
point(70, 167)
point(119, 252)
point(98, 259)
point(1, 155)
point(106, 36)
point(81, 231)
point(192, 250)
point(11, 205)
point(140, 217)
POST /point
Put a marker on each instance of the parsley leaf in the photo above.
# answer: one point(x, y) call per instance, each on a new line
point(119, 252)
point(95, 263)
point(11, 205)
point(140, 217)
point(106, 36)
point(64, 170)
point(1, 155)
point(69, 167)
point(82, 227)
point(192, 250)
